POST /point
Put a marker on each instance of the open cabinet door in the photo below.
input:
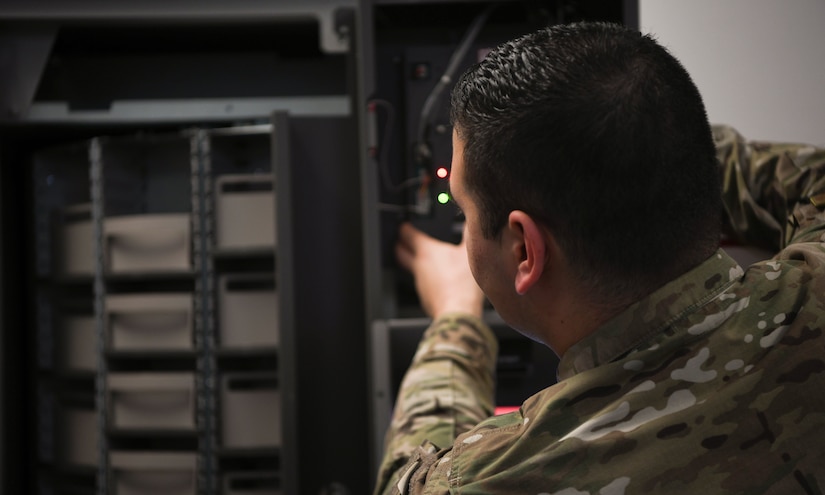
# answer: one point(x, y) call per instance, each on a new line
point(319, 273)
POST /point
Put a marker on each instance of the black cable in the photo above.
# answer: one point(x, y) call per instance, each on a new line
point(382, 155)
point(422, 148)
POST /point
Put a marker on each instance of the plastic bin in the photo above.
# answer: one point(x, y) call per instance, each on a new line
point(75, 255)
point(251, 483)
point(245, 212)
point(78, 349)
point(78, 436)
point(248, 311)
point(153, 473)
point(148, 243)
point(153, 322)
point(250, 410)
point(151, 401)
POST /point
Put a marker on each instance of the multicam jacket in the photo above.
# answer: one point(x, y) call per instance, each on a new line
point(713, 384)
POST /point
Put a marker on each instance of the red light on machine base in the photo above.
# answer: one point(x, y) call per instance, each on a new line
point(505, 410)
point(442, 172)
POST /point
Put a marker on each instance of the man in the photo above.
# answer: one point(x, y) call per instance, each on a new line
point(589, 177)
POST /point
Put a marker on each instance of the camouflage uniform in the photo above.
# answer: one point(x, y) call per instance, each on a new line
point(713, 384)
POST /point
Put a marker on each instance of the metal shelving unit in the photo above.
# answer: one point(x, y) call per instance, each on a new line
point(247, 444)
point(257, 335)
point(249, 82)
point(132, 180)
point(63, 376)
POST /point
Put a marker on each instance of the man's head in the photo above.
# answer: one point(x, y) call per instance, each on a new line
point(600, 135)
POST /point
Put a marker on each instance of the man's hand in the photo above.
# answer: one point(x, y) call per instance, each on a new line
point(442, 273)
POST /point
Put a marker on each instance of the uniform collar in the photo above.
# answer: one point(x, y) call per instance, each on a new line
point(652, 315)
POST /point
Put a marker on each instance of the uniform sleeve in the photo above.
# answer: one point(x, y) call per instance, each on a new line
point(447, 390)
point(773, 193)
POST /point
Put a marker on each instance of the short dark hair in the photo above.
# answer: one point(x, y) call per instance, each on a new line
point(600, 134)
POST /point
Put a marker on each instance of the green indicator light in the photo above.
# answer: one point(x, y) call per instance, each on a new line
point(443, 198)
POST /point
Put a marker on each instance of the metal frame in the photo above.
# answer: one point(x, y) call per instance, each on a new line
point(170, 111)
point(28, 31)
point(202, 226)
point(101, 400)
point(285, 281)
point(333, 39)
point(27, 50)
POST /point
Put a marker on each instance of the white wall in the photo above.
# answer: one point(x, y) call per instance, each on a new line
point(759, 64)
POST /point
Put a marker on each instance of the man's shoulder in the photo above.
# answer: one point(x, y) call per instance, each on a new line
point(734, 398)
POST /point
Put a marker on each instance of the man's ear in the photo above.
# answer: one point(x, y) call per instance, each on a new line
point(529, 248)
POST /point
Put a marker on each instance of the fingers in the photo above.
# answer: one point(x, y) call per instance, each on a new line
point(404, 255)
point(409, 236)
point(409, 239)
point(443, 278)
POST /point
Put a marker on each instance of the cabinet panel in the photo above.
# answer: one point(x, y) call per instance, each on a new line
point(413, 55)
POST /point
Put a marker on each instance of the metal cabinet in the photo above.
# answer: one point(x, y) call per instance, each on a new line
point(174, 176)
point(170, 324)
point(180, 205)
point(412, 52)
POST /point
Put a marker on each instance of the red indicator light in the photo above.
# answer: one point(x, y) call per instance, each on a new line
point(505, 410)
point(442, 172)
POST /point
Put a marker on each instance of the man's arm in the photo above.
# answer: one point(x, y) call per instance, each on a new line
point(448, 388)
point(774, 193)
